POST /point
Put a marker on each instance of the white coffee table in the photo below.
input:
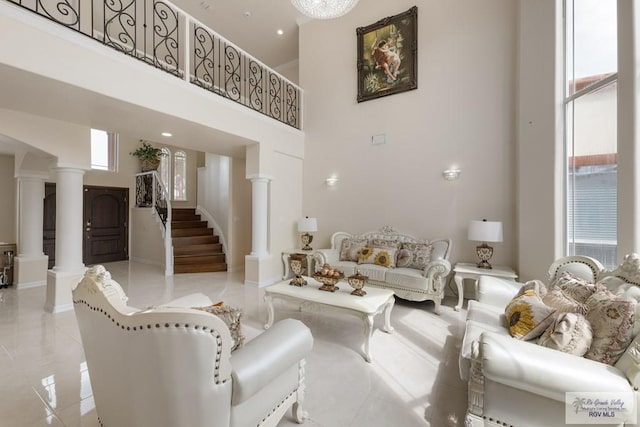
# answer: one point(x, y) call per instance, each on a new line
point(311, 297)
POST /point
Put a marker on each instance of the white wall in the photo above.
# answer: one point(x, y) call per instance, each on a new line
point(214, 184)
point(240, 229)
point(462, 114)
point(7, 200)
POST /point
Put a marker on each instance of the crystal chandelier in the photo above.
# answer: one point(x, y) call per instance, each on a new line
point(324, 9)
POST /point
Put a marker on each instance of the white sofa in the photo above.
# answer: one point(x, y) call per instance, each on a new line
point(520, 383)
point(407, 283)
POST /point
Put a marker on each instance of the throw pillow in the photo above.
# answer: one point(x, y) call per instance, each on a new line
point(527, 316)
point(562, 302)
point(379, 256)
point(350, 247)
point(612, 320)
point(575, 287)
point(414, 255)
point(569, 332)
point(536, 286)
point(231, 317)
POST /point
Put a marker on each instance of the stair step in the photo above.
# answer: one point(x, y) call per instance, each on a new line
point(199, 268)
point(198, 259)
point(214, 248)
point(188, 224)
point(194, 240)
point(180, 216)
point(184, 232)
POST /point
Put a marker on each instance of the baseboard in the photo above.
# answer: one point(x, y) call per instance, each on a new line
point(27, 285)
point(57, 308)
point(262, 283)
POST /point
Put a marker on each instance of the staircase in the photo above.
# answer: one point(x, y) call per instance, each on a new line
point(195, 248)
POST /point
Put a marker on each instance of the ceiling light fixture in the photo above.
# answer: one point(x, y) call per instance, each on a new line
point(324, 9)
point(280, 32)
point(167, 134)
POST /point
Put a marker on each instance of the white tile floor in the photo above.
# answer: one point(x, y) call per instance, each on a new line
point(413, 380)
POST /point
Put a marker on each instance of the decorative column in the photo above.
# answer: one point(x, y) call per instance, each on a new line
point(259, 229)
point(69, 233)
point(30, 262)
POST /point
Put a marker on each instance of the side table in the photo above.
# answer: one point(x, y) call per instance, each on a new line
point(287, 268)
point(465, 270)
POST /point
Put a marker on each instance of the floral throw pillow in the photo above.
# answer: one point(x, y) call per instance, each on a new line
point(231, 316)
point(562, 302)
point(379, 256)
point(414, 255)
point(574, 287)
point(612, 320)
point(570, 333)
point(350, 247)
point(527, 316)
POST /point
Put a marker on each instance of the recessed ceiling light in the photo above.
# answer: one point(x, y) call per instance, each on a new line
point(247, 14)
point(280, 32)
point(167, 134)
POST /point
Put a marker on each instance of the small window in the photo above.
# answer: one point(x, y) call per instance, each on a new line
point(180, 176)
point(104, 150)
point(165, 170)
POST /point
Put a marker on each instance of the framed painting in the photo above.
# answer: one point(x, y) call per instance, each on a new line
point(388, 56)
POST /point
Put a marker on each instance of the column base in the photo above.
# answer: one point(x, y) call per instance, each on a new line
point(59, 286)
point(30, 271)
point(261, 270)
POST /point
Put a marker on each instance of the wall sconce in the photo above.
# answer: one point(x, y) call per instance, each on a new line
point(451, 174)
point(331, 181)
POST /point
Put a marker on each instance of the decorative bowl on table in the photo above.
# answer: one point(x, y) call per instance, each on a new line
point(328, 277)
point(357, 282)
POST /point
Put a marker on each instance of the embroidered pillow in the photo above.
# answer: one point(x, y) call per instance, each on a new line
point(383, 243)
point(527, 316)
point(536, 286)
point(562, 302)
point(574, 287)
point(569, 332)
point(379, 256)
point(350, 247)
point(612, 320)
point(231, 317)
point(414, 255)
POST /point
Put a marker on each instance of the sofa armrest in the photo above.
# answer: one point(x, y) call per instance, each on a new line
point(436, 271)
point(325, 256)
point(267, 356)
point(544, 371)
point(496, 291)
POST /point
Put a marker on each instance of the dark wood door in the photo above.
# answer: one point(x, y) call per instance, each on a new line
point(49, 223)
point(105, 224)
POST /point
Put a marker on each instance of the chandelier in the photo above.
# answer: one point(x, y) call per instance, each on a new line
point(324, 9)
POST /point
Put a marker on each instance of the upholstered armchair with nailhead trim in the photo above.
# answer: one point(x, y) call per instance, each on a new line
point(172, 367)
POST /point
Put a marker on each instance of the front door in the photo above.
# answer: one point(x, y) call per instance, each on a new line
point(105, 224)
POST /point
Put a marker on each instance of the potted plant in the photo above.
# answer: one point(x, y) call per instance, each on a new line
point(149, 156)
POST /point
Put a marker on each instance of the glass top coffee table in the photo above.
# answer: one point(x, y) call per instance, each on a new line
point(367, 307)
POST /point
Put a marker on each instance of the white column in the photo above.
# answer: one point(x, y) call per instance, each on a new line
point(69, 234)
point(69, 217)
point(260, 205)
point(30, 262)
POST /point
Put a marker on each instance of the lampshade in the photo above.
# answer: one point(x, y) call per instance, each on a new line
point(307, 225)
point(485, 231)
point(324, 9)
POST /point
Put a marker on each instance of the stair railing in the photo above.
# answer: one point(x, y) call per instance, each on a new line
point(152, 193)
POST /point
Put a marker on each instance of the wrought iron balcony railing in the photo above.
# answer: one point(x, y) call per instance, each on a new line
point(159, 33)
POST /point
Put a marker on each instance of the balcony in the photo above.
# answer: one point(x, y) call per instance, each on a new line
point(163, 36)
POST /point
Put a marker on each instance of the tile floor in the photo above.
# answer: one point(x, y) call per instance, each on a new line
point(413, 380)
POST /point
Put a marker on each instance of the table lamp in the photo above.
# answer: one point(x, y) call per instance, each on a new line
point(307, 225)
point(485, 231)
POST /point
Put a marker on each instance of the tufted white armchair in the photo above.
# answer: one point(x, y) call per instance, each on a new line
point(173, 367)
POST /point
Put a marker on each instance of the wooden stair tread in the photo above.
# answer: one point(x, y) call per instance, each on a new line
point(195, 240)
point(199, 259)
point(187, 232)
point(188, 224)
point(199, 268)
point(198, 249)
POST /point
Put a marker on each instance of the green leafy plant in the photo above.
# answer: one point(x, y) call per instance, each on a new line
point(148, 152)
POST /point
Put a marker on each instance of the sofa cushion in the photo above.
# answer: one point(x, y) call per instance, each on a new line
point(528, 316)
point(347, 267)
point(486, 314)
point(569, 332)
point(373, 272)
point(611, 319)
point(350, 247)
point(574, 287)
point(385, 257)
point(414, 255)
point(407, 278)
point(562, 302)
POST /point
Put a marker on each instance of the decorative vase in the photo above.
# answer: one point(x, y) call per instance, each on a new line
point(297, 262)
point(357, 282)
